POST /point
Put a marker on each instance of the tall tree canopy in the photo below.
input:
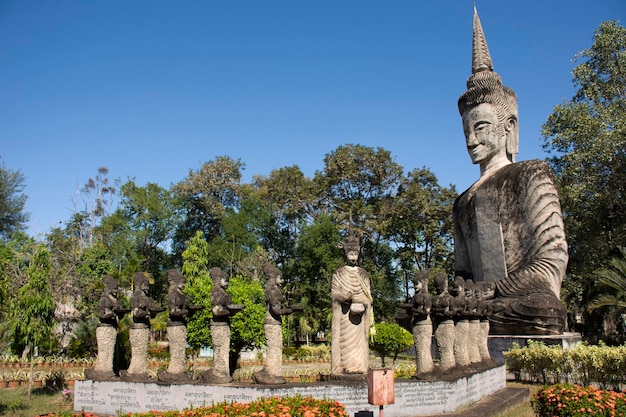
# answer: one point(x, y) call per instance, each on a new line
point(13, 218)
point(205, 195)
point(586, 137)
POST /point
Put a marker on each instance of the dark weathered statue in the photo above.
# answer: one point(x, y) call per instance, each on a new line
point(179, 311)
point(109, 308)
point(352, 315)
point(443, 313)
point(486, 307)
point(473, 294)
point(143, 308)
point(461, 322)
point(272, 373)
point(508, 225)
point(223, 309)
point(422, 326)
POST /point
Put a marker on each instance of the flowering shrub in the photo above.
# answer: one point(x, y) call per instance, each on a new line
point(584, 364)
point(567, 400)
point(296, 406)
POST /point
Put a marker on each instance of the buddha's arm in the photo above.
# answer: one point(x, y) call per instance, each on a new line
point(540, 267)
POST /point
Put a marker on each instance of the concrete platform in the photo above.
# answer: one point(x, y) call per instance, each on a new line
point(412, 397)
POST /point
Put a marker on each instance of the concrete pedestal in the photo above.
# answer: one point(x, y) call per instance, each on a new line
point(412, 397)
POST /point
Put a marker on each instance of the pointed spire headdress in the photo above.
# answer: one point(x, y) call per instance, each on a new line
point(485, 85)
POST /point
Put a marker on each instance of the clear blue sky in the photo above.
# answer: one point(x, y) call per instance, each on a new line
point(152, 89)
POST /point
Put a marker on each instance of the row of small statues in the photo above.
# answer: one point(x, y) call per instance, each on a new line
point(458, 318)
point(143, 308)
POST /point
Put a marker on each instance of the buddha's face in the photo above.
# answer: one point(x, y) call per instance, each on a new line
point(482, 128)
point(352, 256)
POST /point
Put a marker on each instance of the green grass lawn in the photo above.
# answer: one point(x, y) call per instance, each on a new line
point(14, 401)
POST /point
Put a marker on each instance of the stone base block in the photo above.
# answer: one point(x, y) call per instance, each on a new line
point(412, 398)
point(501, 343)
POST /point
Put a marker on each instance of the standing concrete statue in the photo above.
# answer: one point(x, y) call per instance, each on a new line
point(143, 308)
point(109, 308)
point(472, 295)
point(272, 373)
point(422, 325)
point(486, 306)
point(223, 309)
point(443, 311)
point(461, 323)
point(508, 224)
point(179, 311)
point(352, 315)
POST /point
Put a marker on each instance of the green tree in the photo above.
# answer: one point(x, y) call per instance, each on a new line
point(290, 198)
point(247, 331)
point(13, 218)
point(246, 326)
point(142, 229)
point(317, 258)
point(390, 339)
point(611, 287)
point(355, 182)
point(586, 138)
point(32, 312)
point(243, 232)
point(421, 224)
point(198, 288)
point(204, 195)
point(93, 201)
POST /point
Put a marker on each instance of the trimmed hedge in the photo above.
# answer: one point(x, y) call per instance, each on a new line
point(585, 364)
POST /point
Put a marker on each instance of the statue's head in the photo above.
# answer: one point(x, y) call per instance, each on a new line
point(458, 286)
point(441, 283)
point(272, 273)
point(420, 281)
point(351, 248)
point(220, 278)
point(469, 288)
point(110, 285)
point(141, 282)
point(488, 108)
point(175, 278)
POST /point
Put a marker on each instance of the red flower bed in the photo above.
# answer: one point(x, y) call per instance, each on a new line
point(566, 400)
point(297, 406)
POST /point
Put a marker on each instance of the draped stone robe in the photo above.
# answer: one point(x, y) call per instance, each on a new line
point(509, 229)
point(349, 346)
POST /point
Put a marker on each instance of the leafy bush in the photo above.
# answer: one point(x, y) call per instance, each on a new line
point(584, 364)
point(308, 353)
point(573, 401)
point(390, 339)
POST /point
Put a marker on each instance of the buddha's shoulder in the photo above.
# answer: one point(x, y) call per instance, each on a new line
point(530, 167)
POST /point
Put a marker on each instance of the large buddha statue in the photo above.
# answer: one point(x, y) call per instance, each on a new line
point(508, 224)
